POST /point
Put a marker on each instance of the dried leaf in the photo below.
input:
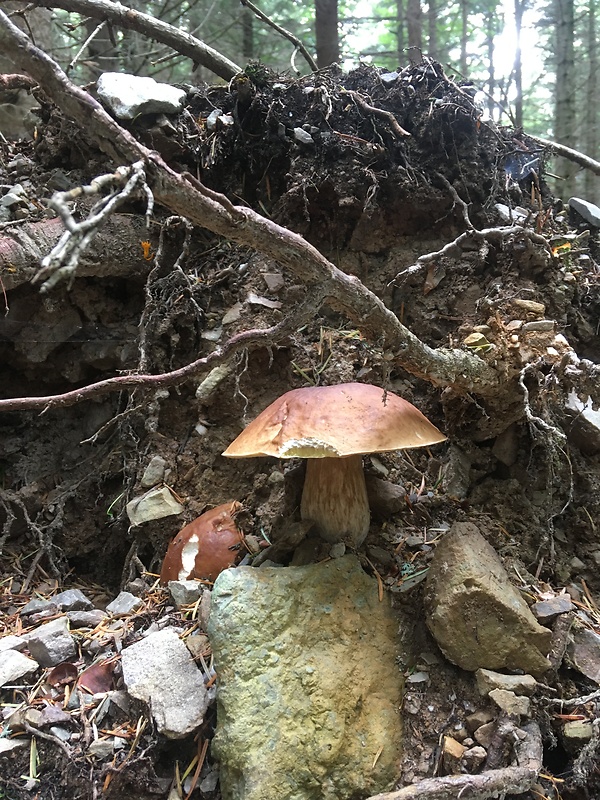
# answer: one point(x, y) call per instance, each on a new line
point(97, 678)
point(62, 674)
point(435, 275)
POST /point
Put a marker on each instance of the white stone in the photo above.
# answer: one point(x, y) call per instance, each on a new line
point(155, 504)
point(130, 95)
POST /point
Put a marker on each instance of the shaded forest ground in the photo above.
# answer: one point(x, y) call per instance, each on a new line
point(313, 156)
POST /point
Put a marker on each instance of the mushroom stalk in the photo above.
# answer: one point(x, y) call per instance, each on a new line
point(335, 498)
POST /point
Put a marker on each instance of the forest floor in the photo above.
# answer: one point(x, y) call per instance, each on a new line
point(312, 155)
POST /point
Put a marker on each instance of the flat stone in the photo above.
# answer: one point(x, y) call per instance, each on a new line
point(154, 472)
point(155, 504)
point(478, 718)
point(14, 665)
point(309, 688)
point(487, 680)
point(124, 603)
point(160, 671)
point(474, 757)
point(101, 748)
point(475, 614)
point(512, 704)
point(185, 592)
point(12, 643)
point(576, 734)
point(37, 605)
point(86, 619)
point(587, 210)
point(52, 643)
point(72, 600)
point(130, 95)
point(539, 326)
point(485, 734)
point(584, 652)
point(547, 610)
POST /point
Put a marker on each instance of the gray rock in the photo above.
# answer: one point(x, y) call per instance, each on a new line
point(487, 680)
point(101, 748)
point(160, 671)
point(124, 603)
point(185, 592)
point(86, 619)
point(385, 498)
point(14, 665)
point(478, 718)
point(72, 600)
point(584, 652)
point(12, 643)
point(130, 95)
point(485, 734)
point(510, 703)
point(474, 757)
point(547, 610)
point(52, 643)
point(37, 605)
point(154, 472)
point(539, 326)
point(309, 687)
point(8, 745)
point(387, 78)
point(155, 504)
point(589, 211)
point(475, 614)
point(300, 135)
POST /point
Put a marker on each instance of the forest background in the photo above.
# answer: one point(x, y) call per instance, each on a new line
point(533, 64)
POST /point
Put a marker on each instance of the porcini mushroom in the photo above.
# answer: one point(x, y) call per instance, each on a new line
point(205, 547)
point(333, 427)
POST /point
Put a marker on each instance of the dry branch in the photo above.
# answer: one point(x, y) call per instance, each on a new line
point(572, 155)
point(184, 43)
point(286, 34)
point(443, 367)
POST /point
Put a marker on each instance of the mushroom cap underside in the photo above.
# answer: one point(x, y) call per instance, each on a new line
point(335, 421)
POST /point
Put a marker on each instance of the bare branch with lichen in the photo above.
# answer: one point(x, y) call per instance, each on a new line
point(62, 261)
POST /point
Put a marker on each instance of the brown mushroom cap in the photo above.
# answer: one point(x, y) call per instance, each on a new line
point(342, 420)
point(205, 547)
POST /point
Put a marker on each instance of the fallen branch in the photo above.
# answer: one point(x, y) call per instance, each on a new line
point(184, 43)
point(572, 155)
point(443, 367)
point(492, 783)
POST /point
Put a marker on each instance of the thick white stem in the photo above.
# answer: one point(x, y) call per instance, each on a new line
point(335, 497)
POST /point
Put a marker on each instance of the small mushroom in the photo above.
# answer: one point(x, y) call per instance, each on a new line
point(205, 547)
point(333, 427)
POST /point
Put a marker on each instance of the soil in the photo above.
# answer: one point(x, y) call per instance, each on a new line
point(311, 155)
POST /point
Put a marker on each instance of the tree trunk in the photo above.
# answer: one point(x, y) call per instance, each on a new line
point(247, 35)
point(414, 23)
point(432, 30)
point(518, 66)
point(400, 39)
point(464, 37)
point(564, 94)
point(490, 33)
point(326, 32)
point(591, 187)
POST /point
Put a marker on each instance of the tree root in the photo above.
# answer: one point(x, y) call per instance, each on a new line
point(488, 784)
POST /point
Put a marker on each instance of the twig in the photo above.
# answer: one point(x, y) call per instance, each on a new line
point(48, 737)
point(83, 47)
point(286, 34)
point(488, 784)
point(574, 701)
point(182, 42)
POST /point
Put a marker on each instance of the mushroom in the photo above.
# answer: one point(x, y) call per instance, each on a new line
point(333, 427)
point(205, 547)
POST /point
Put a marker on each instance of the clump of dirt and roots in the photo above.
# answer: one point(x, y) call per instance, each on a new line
point(375, 171)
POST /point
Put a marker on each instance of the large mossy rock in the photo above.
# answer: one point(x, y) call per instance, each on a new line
point(309, 687)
